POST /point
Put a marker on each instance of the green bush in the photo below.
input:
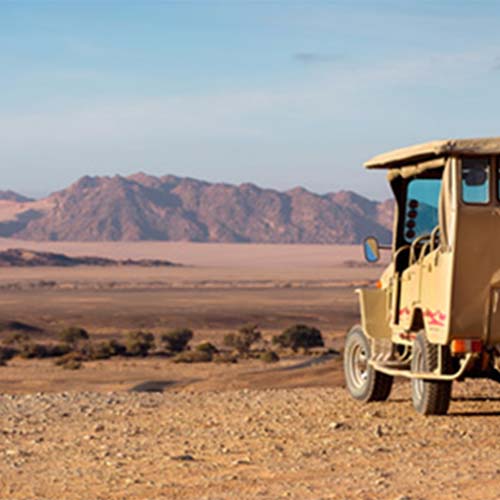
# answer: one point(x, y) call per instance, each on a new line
point(177, 340)
point(244, 339)
point(193, 357)
point(73, 335)
point(299, 336)
point(139, 343)
point(269, 357)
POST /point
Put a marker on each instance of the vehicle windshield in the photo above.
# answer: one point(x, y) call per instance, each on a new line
point(421, 215)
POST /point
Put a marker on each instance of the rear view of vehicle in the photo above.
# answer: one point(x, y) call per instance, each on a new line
point(434, 316)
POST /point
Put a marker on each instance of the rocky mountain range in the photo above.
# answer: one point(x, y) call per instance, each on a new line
point(169, 208)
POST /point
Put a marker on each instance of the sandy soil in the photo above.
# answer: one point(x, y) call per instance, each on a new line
point(239, 256)
point(308, 443)
point(221, 289)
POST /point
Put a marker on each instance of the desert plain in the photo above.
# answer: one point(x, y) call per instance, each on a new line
point(133, 428)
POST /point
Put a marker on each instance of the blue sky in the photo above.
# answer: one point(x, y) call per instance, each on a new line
point(279, 93)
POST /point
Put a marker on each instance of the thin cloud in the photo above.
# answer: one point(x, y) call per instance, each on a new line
point(314, 57)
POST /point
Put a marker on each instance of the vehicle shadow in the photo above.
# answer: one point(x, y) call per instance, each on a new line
point(471, 413)
point(474, 414)
point(476, 398)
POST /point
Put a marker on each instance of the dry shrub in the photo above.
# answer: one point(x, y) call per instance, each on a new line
point(207, 347)
point(225, 357)
point(6, 353)
point(299, 336)
point(269, 357)
point(177, 340)
point(71, 361)
point(115, 348)
point(57, 350)
point(193, 357)
point(72, 364)
point(16, 339)
point(139, 343)
point(244, 339)
point(30, 350)
point(73, 335)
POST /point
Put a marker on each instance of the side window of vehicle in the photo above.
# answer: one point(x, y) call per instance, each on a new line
point(421, 207)
point(476, 180)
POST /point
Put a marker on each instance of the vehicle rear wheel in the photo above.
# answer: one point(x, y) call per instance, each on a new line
point(430, 397)
point(363, 382)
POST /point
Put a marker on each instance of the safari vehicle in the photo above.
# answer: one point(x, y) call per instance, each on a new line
point(434, 315)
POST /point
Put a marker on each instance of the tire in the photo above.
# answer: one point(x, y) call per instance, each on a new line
point(429, 397)
point(363, 382)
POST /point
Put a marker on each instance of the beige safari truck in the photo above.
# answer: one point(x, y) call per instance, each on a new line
point(434, 315)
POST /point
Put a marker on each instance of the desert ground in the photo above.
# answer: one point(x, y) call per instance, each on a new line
point(133, 428)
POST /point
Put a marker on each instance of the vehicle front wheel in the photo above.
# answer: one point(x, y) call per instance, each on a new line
point(363, 382)
point(430, 397)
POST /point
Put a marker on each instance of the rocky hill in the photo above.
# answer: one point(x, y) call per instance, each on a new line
point(143, 207)
point(17, 257)
point(12, 196)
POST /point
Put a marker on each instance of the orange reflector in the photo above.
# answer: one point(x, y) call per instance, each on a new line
point(462, 346)
point(378, 284)
point(458, 346)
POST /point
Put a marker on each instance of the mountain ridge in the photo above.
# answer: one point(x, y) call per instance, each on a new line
point(169, 208)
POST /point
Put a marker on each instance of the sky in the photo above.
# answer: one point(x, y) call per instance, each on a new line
point(278, 93)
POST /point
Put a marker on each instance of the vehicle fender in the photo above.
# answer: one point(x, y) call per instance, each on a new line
point(374, 311)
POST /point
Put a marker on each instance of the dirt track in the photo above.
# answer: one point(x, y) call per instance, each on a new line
point(295, 443)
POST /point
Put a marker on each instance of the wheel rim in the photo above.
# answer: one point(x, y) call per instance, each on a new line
point(418, 383)
point(359, 366)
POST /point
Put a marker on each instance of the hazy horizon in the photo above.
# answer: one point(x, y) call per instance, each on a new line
point(280, 94)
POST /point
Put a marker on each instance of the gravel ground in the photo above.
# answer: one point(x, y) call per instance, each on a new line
point(311, 443)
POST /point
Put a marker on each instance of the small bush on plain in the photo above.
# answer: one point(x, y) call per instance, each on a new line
point(139, 343)
point(207, 347)
point(269, 357)
point(16, 339)
point(244, 339)
point(6, 353)
point(57, 350)
point(299, 336)
point(193, 357)
point(30, 350)
point(71, 361)
point(177, 340)
point(225, 357)
point(116, 348)
point(73, 335)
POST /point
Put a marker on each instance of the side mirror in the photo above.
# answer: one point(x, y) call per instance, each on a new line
point(371, 248)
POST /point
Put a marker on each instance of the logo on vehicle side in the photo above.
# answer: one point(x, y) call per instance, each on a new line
point(435, 318)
